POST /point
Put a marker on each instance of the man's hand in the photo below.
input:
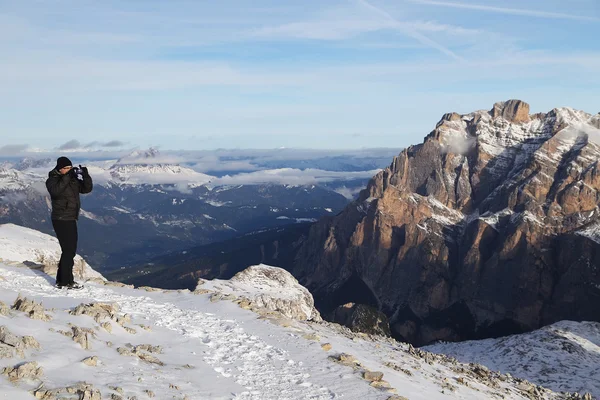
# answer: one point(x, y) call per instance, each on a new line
point(78, 173)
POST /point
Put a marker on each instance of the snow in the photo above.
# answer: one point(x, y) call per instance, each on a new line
point(492, 219)
point(230, 353)
point(542, 357)
point(217, 203)
point(135, 174)
point(271, 287)
point(20, 245)
point(298, 220)
point(592, 232)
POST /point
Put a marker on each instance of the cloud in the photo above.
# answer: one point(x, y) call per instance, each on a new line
point(113, 143)
point(70, 145)
point(512, 11)
point(291, 176)
point(12, 149)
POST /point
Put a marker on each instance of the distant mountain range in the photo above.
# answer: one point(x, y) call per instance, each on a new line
point(146, 204)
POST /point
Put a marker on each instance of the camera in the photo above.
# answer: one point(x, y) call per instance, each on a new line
point(77, 172)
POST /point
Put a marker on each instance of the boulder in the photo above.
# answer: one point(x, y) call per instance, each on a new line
point(31, 308)
point(362, 318)
point(266, 287)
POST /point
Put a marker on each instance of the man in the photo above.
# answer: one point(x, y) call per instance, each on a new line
point(64, 184)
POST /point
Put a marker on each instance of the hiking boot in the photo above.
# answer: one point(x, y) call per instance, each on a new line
point(74, 285)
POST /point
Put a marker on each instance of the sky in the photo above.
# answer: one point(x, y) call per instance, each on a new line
point(201, 75)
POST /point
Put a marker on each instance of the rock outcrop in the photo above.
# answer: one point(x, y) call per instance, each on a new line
point(490, 226)
point(265, 287)
point(24, 246)
point(361, 318)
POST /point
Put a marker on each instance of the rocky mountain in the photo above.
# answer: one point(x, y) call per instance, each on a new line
point(491, 226)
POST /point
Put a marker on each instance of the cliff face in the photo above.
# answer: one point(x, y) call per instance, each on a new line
point(490, 226)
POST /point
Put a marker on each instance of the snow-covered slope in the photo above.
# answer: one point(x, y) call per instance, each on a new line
point(19, 245)
point(564, 356)
point(212, 350)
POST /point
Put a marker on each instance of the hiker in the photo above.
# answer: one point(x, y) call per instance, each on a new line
point(64, 184)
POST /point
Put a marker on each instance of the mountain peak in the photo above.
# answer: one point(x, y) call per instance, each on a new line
point(515, 111)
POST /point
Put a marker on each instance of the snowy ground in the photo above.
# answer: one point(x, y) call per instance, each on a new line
point(564, 356)
point(217, 350)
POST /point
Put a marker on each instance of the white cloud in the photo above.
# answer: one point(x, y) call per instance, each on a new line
point(291, 176)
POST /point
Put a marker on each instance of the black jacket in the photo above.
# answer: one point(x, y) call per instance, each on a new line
point(64, 191)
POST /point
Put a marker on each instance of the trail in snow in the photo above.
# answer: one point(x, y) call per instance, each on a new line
point(265, 371)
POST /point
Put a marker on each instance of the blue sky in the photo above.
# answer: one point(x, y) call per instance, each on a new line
point(269, 74)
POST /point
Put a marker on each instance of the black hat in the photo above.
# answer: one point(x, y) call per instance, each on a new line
point(63, 162)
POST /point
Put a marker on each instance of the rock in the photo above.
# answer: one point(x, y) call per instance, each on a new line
point(326, 346)
point(311, 336)
point(6, 351)
point(345, 359)
point(362, 318)
point(90, 395)
point(11, 343)
point(38, 250)
point(149, 359)
point(81, 336)
point(396, 397)
point(138, 351)
point(513, 111)
point(10, 338)
point(526, 387)
point(82, 390)
point(145, 327)
point(32, 309)
point(29, 342)
point(266, 287)
point(149, 289)
point(90, 361)
point(28, 370)
point(130, 330)
point(125, 351)
point(372, 376)
point(107, 326)
point(150, 393)
point(4, 310)
point(118, 284)
point(116, 389)
point(98, 311)
point(149, 348)
point(383, 385)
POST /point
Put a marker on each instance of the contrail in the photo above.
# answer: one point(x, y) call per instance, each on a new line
point(513, 11)
point(411, 32)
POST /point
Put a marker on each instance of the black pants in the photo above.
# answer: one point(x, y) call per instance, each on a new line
point(66, 232)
